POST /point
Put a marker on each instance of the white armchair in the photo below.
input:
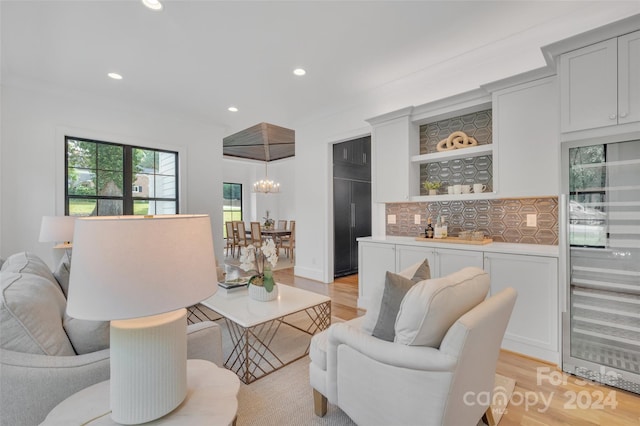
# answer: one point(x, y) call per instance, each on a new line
point(378, 382)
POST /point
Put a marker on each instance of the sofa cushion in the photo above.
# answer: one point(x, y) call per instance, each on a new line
point(395, 287)
point(27, 263)
point(417, 272)
point(87, 336)
point(431, 307)
point(31, 315)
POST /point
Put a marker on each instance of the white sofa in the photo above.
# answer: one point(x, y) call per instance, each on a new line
point(46, 356)
point(436, 356)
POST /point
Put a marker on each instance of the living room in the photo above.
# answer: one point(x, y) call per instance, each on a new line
point(43, 101)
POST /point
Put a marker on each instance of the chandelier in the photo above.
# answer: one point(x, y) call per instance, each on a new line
point(266, 186)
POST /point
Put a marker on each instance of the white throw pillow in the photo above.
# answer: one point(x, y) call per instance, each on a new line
point(431, 307)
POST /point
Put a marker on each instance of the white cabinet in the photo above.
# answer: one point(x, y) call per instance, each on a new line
point(600, 84)
point(410, 255)
point(534, 325)
point(393, 141)
point(374, 261)
point(441, 261)
point(525, 127)
point(449, 261)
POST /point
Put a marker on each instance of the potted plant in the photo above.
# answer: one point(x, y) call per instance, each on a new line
point(432, 187)
point(268, 222)
point(260, 260)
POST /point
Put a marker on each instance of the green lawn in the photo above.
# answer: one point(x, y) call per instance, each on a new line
point(87, 207)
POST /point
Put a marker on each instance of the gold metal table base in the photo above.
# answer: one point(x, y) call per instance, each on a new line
point(254, 354)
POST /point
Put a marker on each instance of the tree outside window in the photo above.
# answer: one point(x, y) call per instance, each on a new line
point(104, 178)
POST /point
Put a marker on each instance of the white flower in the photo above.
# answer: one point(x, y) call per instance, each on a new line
point(271, 252)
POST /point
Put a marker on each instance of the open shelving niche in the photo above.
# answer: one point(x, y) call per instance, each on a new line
point(450, 109)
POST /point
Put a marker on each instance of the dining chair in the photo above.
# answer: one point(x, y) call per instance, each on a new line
point(256, 234)
point(241, 236)
point(288, 243)
point(231, 239)
point(282, 224)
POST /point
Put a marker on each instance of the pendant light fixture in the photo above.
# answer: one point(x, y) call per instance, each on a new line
point(266, 186)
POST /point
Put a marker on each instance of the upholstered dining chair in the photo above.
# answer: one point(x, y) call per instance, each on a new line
point(231, 239)
point(282, 224)
point(288, 243)
point(256, 234)
point(241, 236)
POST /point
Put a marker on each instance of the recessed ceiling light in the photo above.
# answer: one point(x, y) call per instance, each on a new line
point(233, 109)
point(299, 71)
point(115, 76)
point(152, 4)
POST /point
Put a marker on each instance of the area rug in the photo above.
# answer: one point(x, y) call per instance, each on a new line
point(285, 397)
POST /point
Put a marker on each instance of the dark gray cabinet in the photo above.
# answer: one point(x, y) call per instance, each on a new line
point(351, 202)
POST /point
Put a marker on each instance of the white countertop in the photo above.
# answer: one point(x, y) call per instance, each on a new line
point(508, 248)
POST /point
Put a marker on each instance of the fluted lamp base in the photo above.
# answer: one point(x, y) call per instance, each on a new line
point(148, 366)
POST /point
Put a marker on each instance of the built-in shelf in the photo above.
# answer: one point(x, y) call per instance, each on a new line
point(455, 154)
point(447, 197)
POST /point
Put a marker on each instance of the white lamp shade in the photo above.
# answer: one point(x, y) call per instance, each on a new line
point(134, 266)
point(56, 228)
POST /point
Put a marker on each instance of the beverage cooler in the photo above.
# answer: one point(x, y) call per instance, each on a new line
point(600, 229)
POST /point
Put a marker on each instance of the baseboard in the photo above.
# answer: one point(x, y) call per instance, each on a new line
point(312, 274)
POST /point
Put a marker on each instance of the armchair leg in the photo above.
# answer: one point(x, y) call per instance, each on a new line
point(488, 415)
point(319, 404)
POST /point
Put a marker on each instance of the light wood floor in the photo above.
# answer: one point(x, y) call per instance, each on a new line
point(543, 394)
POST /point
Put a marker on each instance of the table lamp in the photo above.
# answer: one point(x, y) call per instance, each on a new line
point(57, 229)
point(140, 272)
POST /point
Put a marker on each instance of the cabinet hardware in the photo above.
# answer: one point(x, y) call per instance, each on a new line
point(612, 117)
point(623, 115)
point(353, 215)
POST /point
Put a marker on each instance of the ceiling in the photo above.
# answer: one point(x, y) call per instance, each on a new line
point(264, 142)
point(199, 57)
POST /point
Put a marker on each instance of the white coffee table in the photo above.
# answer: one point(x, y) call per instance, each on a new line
point(253, 326)
point(211, 400)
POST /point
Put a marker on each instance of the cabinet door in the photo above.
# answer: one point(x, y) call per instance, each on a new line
point(450, 261)
point(525, 130)
point(342, 237)
point(629, 78)
point(410, 255)
point(534, 325)
point(375, 260)
point(392, 172)
point(360, 216)
point(589, 87)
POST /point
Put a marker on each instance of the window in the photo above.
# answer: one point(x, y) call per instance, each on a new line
point(587, 196)
point(96, 174)
point(231, 204)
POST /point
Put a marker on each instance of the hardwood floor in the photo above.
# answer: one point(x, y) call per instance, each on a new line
point(544, 396)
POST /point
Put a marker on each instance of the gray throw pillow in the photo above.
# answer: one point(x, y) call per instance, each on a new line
point(422, 273)
point(87, 336)
point(61, 274)
point(395, 287)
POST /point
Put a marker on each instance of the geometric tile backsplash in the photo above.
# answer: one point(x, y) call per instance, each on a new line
point(503, 220)
point(477, 124)
point(460, 171)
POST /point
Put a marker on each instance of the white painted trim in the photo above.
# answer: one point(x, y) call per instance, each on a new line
point(312, 274)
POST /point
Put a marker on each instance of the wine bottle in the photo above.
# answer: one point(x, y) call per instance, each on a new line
point(428, 233)
point(443, 227)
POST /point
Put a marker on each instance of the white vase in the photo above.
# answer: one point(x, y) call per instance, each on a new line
point(257, 292)
point(433, 192)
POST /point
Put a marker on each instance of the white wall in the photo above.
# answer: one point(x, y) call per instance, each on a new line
point(34, 122)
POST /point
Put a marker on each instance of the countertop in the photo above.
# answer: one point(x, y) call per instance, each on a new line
point(495, 247)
